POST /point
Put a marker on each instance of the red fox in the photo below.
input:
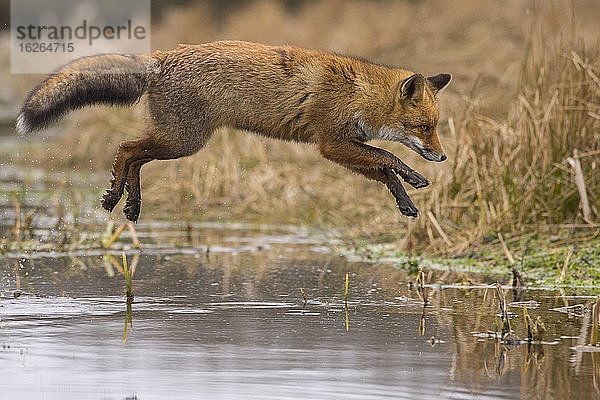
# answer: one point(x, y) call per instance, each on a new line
point(335, 102)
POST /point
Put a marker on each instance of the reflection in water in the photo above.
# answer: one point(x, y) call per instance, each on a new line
point(128, 317)
point(276, 324)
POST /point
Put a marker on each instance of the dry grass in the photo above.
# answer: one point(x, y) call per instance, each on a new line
point(512, 174)
point(526, 93)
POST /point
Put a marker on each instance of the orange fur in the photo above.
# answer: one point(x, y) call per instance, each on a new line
point(337, 103)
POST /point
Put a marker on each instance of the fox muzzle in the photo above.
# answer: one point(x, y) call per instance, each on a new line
point(432, 156)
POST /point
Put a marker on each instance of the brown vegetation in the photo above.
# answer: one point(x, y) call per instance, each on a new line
point(525, 95)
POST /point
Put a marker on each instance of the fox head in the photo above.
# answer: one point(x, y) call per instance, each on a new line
point(413, 118)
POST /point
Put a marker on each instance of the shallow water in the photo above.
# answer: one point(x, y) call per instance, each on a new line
point(234, 324)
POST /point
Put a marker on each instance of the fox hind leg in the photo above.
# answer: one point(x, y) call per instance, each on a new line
point(133, 155)
point(133, 203)
point(128, 152)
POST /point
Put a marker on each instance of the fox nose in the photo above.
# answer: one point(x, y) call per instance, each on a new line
point(443, 157)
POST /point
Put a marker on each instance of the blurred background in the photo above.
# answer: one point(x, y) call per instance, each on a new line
point(525, 96)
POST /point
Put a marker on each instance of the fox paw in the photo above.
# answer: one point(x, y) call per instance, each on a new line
point(109, 200)
point(132, 210)
point(408, 209)
point(416, 180)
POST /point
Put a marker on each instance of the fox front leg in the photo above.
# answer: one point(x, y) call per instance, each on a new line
point(363, 156)
point(405, 204)
point(412, 177)
point(391, 181)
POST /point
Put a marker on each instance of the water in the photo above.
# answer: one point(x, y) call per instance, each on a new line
point(234, 324)
point(231, 311)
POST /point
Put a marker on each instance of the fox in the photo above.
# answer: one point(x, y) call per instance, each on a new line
point(335, 102)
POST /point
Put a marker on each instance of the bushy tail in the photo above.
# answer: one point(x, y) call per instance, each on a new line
point(104, 79)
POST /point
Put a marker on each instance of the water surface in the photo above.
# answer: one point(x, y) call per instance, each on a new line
point(234, 324)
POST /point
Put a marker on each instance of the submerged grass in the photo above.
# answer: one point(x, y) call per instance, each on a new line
point(128, 274)
point(595, 322)
point(421, 288)
point(535, 328)
point(346, 288)
point(346, 295)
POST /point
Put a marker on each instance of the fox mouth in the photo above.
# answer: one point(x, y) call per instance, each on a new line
point(431, 156)
point(425, 153)
point(417, 146)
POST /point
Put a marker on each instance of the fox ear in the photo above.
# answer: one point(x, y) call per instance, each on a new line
point(438, 82)
point(412, 88)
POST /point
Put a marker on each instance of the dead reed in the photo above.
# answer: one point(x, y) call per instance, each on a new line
point(513, 175)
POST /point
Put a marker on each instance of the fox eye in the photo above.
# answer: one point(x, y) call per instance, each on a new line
point(425, 128)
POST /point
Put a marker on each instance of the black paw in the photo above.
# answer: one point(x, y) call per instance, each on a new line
point(110, 200)
point(416, 180)
point(408, 208)
point(132, 210)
